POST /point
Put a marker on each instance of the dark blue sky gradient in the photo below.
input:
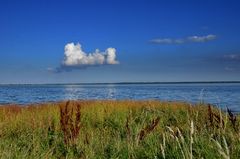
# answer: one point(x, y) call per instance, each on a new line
point(33, 35)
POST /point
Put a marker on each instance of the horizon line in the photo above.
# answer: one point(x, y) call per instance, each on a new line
point(98, 83)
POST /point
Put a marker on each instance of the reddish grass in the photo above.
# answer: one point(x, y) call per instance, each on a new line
point(148, 129)
point(70, 121)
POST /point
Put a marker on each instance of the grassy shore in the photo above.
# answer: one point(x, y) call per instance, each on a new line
point(118, 129)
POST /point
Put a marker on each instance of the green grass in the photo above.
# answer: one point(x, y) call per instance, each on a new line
point(118, 129)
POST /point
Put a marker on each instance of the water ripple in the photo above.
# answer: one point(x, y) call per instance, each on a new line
point(221, 94)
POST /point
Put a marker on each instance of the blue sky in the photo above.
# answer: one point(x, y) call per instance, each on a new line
point(153, 41)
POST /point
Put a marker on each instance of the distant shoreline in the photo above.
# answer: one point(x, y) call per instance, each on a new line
point(122, 83)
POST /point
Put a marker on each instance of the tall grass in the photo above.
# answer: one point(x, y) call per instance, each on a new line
point(70, 122)
point(118, 129)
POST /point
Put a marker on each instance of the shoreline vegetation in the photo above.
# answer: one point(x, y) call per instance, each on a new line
point(118, 129)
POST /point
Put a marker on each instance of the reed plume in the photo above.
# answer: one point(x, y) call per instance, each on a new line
point(148, 129)
point(70, 122)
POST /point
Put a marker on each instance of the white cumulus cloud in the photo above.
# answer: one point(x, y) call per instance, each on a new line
point(111, 56)
point(74, 56)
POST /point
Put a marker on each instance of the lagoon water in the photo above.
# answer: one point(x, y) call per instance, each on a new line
point(220, 94)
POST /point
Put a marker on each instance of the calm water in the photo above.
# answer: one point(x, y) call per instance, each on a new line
point(221, 94)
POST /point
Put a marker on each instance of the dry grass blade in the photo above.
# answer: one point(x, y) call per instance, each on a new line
point(163, 146)
point(224, 153)
point(191, 139)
